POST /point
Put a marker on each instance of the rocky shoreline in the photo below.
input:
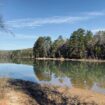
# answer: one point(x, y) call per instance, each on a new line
point(19, 92)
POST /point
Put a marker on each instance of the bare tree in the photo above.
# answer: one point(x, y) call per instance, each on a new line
point(3, 27)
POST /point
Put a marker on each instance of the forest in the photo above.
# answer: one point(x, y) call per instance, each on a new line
point(82, 44)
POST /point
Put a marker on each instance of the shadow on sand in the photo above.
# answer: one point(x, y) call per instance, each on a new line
point(38, 94)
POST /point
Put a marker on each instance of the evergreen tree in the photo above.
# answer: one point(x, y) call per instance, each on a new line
point(76, 44)
point(42, 47)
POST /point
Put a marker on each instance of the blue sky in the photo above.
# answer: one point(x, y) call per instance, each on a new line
point(29, 19)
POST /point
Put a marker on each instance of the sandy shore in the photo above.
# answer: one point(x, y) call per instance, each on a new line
point(66, 59)
point(18, 92)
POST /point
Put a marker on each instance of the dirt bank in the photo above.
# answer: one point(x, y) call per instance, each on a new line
point(18, 92)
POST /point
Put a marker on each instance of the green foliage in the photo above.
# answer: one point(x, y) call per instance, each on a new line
point(77, 46)
point(26, 53)
point(42, 47)
point(56, 47)
point(81, 44)
point(80, 74)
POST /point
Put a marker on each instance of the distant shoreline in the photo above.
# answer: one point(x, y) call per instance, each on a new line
point(67, 59)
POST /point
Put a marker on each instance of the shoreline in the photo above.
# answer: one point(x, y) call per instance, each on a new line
point(67, 59)
point(63, 59)
point(20, 92)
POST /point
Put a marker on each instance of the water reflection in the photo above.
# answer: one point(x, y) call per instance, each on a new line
point(77, 74)
point(80, 74)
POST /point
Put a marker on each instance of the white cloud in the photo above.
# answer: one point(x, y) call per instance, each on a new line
point(21, 23)
point(34, 22)
point(98, 29)
point(95, 13)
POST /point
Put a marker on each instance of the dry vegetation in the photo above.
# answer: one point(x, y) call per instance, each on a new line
point(18, 92)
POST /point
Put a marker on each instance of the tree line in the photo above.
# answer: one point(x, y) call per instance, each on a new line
point(81, 44)
point(14, 54)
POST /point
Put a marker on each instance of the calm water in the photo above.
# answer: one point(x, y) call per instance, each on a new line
point(72, 74)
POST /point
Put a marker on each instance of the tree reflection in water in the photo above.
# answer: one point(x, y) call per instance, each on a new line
point(80, 74)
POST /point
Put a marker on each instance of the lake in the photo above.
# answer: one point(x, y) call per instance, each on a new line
point(63, 73)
